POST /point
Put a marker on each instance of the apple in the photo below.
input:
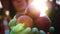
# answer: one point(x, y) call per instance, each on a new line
point(51, 29)
point(35, 30)
point(12, 23)
point(43, 23)
point(26, 20)
point(26, 31)
point(18, 28)
point(32, 12)
point(12, 32)
point(42, 32)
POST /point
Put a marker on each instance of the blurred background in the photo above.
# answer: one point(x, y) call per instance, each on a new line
point(6, 14)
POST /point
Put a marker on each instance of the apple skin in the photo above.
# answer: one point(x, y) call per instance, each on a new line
point(42, 32)
point(51, 29)
point(43, 23)
point(32, 12)
point(26, 20)
point(35, 30)
point(26, 31)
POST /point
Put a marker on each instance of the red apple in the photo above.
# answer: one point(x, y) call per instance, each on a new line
point(33, 12)
point(26, 20)
point(43, 23)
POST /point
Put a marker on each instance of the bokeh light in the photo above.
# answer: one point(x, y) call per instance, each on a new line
point(7, 13)
point(50, 0)
point(58, 2)
point(0, 5)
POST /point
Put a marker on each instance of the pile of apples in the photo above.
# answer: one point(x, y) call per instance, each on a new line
point(30, 23)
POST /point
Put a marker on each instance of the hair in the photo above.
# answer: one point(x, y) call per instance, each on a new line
point(12, 9)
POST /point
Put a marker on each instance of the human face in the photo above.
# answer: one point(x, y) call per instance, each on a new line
point(19, 5)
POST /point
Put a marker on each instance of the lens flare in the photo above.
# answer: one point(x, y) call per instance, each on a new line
point(41, 6)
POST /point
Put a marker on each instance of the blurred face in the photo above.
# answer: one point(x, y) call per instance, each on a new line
point(19, 5)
